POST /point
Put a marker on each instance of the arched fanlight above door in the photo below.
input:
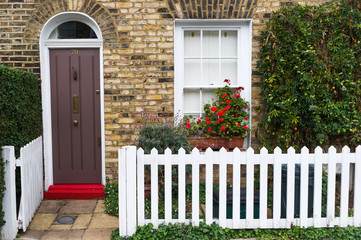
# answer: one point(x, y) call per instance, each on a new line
point(73, 30)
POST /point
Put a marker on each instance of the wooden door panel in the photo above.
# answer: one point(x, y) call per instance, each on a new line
point(76, 153)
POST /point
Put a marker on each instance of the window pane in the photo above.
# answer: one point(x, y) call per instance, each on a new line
point(72, 30)
point(191, 102)
point(192, 72)
point(210, 71)
point(210, 44)
point(192, 44)
point(229, 70)
point(229, 43)
point(208, 95)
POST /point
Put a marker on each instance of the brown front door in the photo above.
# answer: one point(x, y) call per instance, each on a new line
point(75, 108)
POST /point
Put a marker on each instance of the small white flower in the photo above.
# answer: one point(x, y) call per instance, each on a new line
point(344, 88)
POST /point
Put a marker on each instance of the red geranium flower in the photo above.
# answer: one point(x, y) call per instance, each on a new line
point(246, 118)
point(237, 95)
point(220, 120)
point(227, 81)
point(198, 121)
point(224, 95)
point(220, 113)
point(187, 121)
point(239, 89)
point(213, 109)
point(209, 122)
point(223, 128)
point(227, 101)
point(209, 130)
point(238, 124)
point(245, 106)
point(245, 127)
point(188, 125)
point(207, 119)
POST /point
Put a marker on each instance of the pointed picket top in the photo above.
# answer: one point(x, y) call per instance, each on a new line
point(250, 150)
point(332, 149)
point(140, 151)
point(291, 150)
point(154, 151)
point(236, 150)
point(168, 151)
point(181, 151)
point(277, 150)
point(209, 150)
point(305, 150)
point(264, 150)
point(358, 149)
point(195, 151)
point(346, 149)
point(318, 150)
point(222, 150)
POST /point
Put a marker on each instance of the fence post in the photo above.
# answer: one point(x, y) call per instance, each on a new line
point(127, 190)
point(9, 230)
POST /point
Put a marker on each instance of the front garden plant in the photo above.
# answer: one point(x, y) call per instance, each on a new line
point(227, 116)
point(310, 63)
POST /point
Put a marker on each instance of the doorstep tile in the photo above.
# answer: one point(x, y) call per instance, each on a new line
point(100, 208)
point(50, 206)
point(31, 234)
point(82, 221)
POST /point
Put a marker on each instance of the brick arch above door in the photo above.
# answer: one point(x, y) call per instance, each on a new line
point(92, 8)
point(205, 9)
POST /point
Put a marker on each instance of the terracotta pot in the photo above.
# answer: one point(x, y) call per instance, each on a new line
point(216, 143)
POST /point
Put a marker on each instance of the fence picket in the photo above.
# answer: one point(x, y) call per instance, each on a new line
point(122, 192)
point(250, 188)
point(317, 195)
point(277, 173)
point(222, 187)
point(209, 185)
point(131, 168)
point(331, 181)
point(195, 186)
point(345, 181)
point(168, 185)
point(290, 206)
point(263, 182)
point(181, 185)
point(140, 175)
point(154, 186)
point(236, 187)
point(304, 186)
point(357, 189)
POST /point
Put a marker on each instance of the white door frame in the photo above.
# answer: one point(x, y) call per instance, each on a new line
point(46, 44)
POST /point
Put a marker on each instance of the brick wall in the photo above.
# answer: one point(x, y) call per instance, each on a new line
point(138, 51)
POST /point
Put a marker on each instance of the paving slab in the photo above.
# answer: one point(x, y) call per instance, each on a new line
point(82, 221)
point(100, 208)
point(97, 234)
point(63, 235)
point(31, 234)
point(50, 206)
point(42, 221)
point(60, 227)
point(104, 221)
point(78, 206)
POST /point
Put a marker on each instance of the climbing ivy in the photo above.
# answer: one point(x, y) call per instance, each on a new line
point(310, 62)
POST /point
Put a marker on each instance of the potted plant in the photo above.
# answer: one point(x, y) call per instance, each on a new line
point(225, 121)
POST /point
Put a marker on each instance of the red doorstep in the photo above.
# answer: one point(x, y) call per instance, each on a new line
point(75, 191)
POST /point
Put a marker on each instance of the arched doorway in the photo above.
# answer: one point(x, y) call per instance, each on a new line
point(72, 99)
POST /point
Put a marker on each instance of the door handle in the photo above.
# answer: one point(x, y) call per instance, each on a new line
point(75, 122)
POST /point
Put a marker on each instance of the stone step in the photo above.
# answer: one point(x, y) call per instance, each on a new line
point(75, 191)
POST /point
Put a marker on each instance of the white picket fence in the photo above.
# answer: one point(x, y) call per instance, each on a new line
point(131, 187)
point(31, 169)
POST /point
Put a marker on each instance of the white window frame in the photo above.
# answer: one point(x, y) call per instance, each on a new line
point(244, 63)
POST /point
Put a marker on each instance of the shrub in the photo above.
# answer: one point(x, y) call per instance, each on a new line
point(111, 199)
point(161, 135)
point(310, 58)
point(20, 114)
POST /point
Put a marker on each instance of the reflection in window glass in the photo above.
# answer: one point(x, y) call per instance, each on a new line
point(73, 30)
